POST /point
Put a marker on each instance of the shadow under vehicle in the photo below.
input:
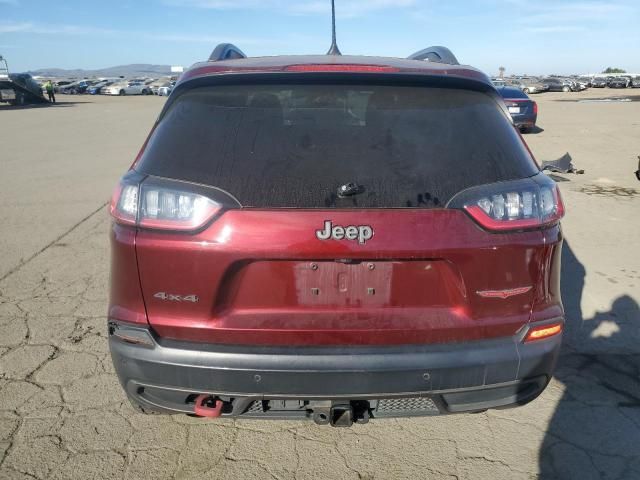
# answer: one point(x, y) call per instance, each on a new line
point(594, 431)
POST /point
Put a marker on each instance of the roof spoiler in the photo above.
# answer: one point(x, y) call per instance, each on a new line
point(226, 51)
point(436, 54)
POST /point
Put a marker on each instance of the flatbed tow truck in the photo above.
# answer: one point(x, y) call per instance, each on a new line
point(18, 88)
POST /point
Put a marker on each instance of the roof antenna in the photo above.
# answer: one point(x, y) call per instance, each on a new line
point(333, 50)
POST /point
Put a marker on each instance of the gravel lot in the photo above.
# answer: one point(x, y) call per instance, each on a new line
point(63, 414)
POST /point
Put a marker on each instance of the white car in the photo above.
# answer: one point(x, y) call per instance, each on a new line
point(131, 88)
point(166, 89)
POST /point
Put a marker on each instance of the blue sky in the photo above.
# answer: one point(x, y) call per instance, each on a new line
point(525, 36)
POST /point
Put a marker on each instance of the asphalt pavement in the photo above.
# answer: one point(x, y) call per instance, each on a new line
point(63, 414)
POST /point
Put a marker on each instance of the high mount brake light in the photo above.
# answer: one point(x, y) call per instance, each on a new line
point(340, 68)
point(162, 205)
point(517, 205)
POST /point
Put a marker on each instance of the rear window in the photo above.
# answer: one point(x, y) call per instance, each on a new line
point(512, 93)
point(296, 145)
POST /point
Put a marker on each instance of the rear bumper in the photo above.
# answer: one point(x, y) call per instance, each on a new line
point(524, 121)
point(165, 376)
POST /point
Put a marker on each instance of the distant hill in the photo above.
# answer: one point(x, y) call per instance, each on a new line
point(133, 70)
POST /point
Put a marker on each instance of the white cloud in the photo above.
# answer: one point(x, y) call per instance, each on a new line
point(555, 29)
point(53, 29)
point(566, 16)
point(173, 37)
point(344, 9)
point(14, 27)
point(577, 12)
point(348, 8)
point(209, 39)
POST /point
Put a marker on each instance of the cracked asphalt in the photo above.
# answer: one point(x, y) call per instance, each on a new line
point(63, 414)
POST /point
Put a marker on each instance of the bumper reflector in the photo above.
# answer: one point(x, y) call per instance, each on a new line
point(133, 335)
point(543, 331)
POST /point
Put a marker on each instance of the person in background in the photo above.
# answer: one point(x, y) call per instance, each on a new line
point(50, 91)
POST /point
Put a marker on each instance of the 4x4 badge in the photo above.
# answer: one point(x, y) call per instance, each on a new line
point(362, 233)
point(172, 297)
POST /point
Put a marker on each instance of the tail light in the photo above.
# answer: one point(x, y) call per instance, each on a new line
point(124, 203)
point(535, 108)
point(166, 204)
point(517, 205)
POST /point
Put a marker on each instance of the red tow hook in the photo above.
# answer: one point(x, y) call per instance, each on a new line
point(204, 410)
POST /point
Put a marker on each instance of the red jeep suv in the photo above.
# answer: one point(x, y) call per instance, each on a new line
point(335, 238)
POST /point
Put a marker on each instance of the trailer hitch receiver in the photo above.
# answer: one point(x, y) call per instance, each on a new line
point(341, 416)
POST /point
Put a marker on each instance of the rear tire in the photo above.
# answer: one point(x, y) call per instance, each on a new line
point(19, 101)
point(526, 90)
point(121, 93)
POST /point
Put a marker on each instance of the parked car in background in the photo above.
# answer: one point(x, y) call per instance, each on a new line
point(130, 88)
point(66, 89)
point(586, 81)
point(96, 87)
point(523, 110)
point(498, 82)
point(58, 86)
point(84, 85)
point(116, 88)
point(156, 84)
point(635, 83)
point(165, 90)
point(574, 85)
point(599, 82)
point(620, 82)
point(532, 85)
point(558, 84)
point(580, 85)
point(77, 87)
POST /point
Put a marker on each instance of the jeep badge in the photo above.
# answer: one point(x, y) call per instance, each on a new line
point(361, 233)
